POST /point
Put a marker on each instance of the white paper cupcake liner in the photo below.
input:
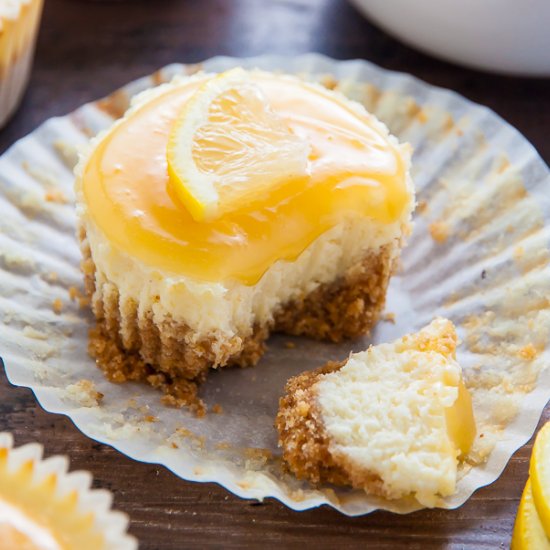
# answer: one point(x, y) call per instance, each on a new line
point(109, 524)
point(478, 255)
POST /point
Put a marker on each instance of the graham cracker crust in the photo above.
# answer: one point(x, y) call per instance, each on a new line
point(128, 344)
point(305, 444)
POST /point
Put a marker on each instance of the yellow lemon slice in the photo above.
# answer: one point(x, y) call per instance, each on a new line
point(228, 147)
point(539, 472)
point(528, 531)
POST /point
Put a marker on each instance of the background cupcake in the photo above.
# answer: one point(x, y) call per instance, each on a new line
point(18, 29)
point(44, 506)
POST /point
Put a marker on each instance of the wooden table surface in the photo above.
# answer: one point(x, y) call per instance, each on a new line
point(87, 49)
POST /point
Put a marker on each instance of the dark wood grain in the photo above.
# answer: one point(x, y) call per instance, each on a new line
point(87, 49)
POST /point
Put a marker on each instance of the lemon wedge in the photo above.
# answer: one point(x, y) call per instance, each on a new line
point(528, 530)
point(228, 148)
point(539, 472)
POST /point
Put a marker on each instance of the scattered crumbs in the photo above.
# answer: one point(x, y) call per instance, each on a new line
point(198, 441)
point(528, 352)
point(518, 253)
point(439, 231)
point(174, 445)
point(223, 446)
point(144, 409)
point(68, 153)
point(217, 409)
point(57, 306)
point(31, 332)
point(84, 393)
point(257, 457)
point(328, 81)
point(421, 207)
point(389, 317)
point(421, 116)
point(198, 471)
point(51, 276)
point(244, 485)
point(56, 195)
point(298, 495)
point(503, 165)
point(132, 403)
point(290, 345)
point(150, 418)
point(114, 105)
point(75, 294)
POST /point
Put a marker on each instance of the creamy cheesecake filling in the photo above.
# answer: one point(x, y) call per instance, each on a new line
point(229, 307)
point(357, 176)
point(401, 411)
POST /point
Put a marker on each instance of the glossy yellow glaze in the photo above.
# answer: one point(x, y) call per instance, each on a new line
point(461, 425)
point(354, 171)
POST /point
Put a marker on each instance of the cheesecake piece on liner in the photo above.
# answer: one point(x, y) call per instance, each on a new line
point(394, 420)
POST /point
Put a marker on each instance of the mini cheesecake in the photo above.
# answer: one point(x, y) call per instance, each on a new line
point(394, 420)
point(175, 295)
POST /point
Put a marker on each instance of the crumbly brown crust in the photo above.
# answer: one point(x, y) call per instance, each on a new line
point(305, 444)
point(345, 309)
point(128, 344)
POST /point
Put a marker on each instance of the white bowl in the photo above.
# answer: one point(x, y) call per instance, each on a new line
point(509, 36)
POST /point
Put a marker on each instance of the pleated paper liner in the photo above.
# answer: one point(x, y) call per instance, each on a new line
point(478, 255)
point(43, 506)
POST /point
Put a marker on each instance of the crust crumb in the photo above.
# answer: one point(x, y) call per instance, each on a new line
point(421, 207)
point(439, 232)
point(528, 352)
point(217, 409)
point(56, 196)
point(389, 317)
point(84, 393)
point(121, 366)
point(329, 82)
point(57, 306)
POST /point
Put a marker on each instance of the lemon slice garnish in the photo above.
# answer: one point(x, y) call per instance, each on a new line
point(528, 530)
point(228, 148)
point(539, 472)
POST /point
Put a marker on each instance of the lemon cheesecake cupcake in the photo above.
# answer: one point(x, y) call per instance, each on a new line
point(222, 207)
point(394, 420)
point(43, 507)
point(18, 28)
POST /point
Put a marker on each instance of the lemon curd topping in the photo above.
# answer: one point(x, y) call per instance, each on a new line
point(354, 170)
